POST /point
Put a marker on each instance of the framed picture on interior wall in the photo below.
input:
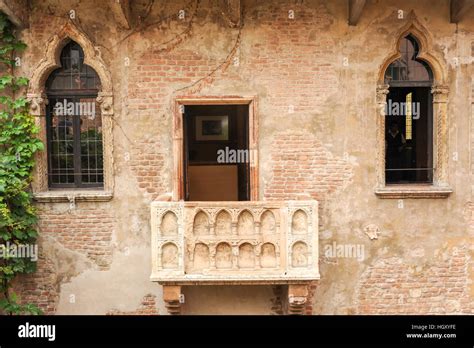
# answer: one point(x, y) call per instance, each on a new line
point(212, 128)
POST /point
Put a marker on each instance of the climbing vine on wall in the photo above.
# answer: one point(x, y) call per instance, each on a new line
point(18, 144)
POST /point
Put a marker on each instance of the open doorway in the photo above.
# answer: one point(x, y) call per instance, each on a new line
point(216, 156)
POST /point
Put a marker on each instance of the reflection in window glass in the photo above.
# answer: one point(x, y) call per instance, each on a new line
point(75, 151)
point(409, 118)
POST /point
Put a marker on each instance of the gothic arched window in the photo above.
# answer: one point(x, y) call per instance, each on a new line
point(74, 123)
point(409, 117)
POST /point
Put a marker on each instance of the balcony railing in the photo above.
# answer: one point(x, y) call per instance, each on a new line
point(252, 242)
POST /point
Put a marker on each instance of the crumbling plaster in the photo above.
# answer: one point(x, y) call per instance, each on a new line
point(341, 115)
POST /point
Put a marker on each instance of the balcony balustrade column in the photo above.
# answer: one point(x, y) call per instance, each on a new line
point(212, 257)
point(257, 227)
point(235, 256)
point(212, 228)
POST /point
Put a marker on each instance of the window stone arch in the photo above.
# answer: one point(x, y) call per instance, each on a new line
point(38, 101)
point(440, 92)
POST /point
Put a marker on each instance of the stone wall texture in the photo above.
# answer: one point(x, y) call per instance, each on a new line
point(314, 79)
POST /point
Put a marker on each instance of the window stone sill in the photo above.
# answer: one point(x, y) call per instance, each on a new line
point(413, 191)
point(72, 196)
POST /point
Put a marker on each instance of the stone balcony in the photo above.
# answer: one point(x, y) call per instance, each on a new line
point(226, 243)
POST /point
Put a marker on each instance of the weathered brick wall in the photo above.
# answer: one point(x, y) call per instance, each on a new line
point(148, 306)
point(147, 162)
point(293, 59)
point(83, 230)
point(301, 167)
point(41, 287)
point(312, 111)
point(391, 286)
point(86, 230)
point(153, 76)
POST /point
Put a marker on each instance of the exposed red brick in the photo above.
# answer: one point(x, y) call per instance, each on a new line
point(85, 230)
point(40, 288)
point(147, 307)
point(388, 287)
point(147, 162)
point(302, 167)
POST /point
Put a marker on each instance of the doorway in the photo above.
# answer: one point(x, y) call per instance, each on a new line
point(216, 154)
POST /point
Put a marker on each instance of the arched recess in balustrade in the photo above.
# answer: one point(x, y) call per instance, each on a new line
point(169, 224)
point(299, 254)
point(201, 260)
point(268, 255)
point(245, 223)
point(299, 222)
point(223, 255)
point(268, 222)
point(169, 256)
point(223, 223)
point(247, 256)
point(201, 224)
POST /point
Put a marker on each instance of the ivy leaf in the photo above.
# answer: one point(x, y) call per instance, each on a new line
point(5, 81)
point(18, 144)
point(20, 103)
point(22, 81)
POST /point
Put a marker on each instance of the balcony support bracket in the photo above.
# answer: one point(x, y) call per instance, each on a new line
point(172, 297)
point(297, 298)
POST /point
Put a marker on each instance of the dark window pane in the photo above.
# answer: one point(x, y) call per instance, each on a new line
point(74, 123)
point(409, 136)
point(91, 140)
point(73, 74)
point(409, 118)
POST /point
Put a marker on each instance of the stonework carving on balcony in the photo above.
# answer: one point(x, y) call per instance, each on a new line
point(254, 242)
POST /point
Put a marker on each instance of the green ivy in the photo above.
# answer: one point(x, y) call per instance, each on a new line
point(18, 144)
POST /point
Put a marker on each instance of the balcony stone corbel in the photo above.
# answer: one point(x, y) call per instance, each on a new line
point(172, 296)
point(297, 298)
